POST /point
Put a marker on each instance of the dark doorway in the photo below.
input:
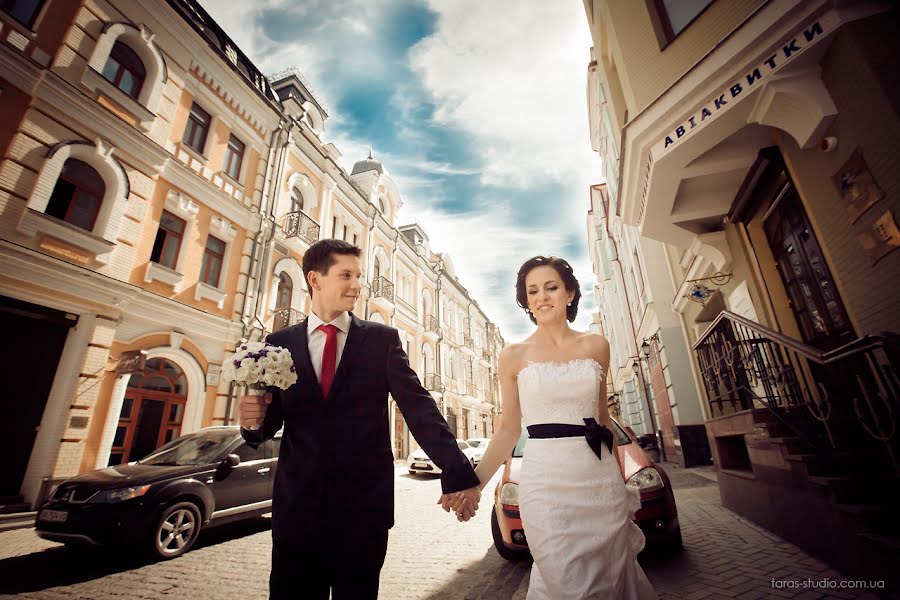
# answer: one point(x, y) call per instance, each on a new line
point(814, 298)
point(35, 337)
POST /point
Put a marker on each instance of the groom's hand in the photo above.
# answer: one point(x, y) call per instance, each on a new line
point(252, 410)
point(463, 503)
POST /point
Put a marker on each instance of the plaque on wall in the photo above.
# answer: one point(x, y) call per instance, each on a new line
point(882, 238)
point(856, 186)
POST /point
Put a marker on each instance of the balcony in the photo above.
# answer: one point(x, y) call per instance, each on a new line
point(382, 293)
point(468, 344)
point(471, 390)
point(432, 328)
point(285, 317)
point(486, 356)
point(433, 383)
point(301, 227)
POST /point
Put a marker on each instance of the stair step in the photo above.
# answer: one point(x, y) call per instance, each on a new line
point(860, 510)
point(18, 507)
point(890, 542)
point(18, 520)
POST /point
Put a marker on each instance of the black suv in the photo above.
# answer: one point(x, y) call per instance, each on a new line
point(160, 502)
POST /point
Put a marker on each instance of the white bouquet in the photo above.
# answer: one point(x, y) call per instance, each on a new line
point(260, 364)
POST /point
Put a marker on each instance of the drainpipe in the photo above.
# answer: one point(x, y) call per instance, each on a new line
point(370, 263)
point(270, 233)
point(245, 320)
point(437, 313)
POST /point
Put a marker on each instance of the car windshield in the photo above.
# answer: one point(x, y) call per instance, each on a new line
point(622, 439)
point(475, 443)
point(195, 449)
point(462, 444)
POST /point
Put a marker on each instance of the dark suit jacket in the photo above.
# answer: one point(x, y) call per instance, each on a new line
point(335, 461)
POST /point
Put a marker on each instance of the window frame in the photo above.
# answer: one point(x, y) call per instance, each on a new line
point(662, 24)
point(231, 150)
point(122, 50)
point(38, 10)
point(171, 236)
point(79, 185)
point(209, 256)
point(193, 125)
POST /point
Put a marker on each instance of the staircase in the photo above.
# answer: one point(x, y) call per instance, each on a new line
point(822, 434)
point(15, 513)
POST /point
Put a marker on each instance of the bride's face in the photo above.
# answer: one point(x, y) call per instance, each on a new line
point(547, 296)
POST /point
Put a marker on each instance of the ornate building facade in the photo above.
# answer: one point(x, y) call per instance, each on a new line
point(158, 193)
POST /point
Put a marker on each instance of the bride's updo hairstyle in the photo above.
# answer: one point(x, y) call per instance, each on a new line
point(565, 273)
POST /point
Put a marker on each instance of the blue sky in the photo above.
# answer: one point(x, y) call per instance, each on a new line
point(477, 110)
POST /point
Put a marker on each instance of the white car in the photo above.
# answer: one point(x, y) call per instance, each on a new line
point(418, 461)
point(480, 445)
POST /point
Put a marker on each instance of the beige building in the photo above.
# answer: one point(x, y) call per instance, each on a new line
point(757, 140)
point(157, 194)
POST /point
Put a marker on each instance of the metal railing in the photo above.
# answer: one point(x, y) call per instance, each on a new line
point(844, 399)
point(285, 317)
point(299, 224)
point(433, 383)
point(432, 325)
point(382, 288)
point(468, 341)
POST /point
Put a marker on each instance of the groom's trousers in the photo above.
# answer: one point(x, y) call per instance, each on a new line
point(343, 559)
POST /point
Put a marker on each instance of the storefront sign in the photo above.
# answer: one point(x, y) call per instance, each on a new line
point(132, 361)
point(744, 85)
point(856, 185)
point(883, 237)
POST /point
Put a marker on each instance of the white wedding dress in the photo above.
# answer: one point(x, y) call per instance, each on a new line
point(576, 510)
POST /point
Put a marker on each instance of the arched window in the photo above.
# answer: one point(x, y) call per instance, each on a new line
point(160, 375)
point(296, 200)
point(285, 291)
point(125, 70)
point(381, 205)
point(77, 195)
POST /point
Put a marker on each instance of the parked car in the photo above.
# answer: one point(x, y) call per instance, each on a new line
point(161, 502)
point(418, 461)
point(657, 517)
point(480, 445)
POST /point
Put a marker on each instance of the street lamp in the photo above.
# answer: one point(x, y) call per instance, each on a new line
point(638, 371)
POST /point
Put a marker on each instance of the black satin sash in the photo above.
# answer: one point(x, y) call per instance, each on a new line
point(593, 432)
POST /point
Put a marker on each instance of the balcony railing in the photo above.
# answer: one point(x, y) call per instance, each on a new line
point(471, 390)
point(468, 341)
point(486, 356)
point(382, 288)
point(433, 383)
point(432, 325)
point(844, 399)
point(301, 225)
point(285, 317)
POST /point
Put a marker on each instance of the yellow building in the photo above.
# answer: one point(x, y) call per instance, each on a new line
point(157, 193)
point(757, 140)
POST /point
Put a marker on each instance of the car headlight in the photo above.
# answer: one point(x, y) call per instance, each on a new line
point(647, 479)
point(509, 494)
point(120, 494)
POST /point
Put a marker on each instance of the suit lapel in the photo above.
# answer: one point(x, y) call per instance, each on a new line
point(355, 339)
point(303, 360)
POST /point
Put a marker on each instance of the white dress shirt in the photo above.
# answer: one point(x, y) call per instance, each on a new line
point(315, 339)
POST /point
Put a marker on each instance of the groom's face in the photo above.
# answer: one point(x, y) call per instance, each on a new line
point(338, 289)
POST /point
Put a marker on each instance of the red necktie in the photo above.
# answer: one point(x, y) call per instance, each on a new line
point(329, 357)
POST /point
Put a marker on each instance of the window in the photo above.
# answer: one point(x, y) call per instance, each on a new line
point(296, 200)
point(333, 226)
point(212, 261)
point(197, 128)
point(234, 155)
point(673, 16)
point(344, 237)
point(247, 454)
point(285, 291)
point(125, 70)
point(23, 11)
point(168, 240)
point(354, 239)
point(77, 195)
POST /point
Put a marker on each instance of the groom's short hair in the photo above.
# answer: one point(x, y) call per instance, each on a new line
point(321, 256)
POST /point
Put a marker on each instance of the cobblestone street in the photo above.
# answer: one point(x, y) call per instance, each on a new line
point(430, 556)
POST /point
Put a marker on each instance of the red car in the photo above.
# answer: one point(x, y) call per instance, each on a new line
point(657, 517)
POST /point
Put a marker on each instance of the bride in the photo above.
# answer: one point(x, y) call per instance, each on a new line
point(576, 509)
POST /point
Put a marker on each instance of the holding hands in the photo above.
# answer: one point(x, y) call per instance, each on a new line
point(463, 503)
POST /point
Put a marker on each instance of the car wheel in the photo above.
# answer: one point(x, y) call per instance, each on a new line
point(175, 531)
point(502, 549)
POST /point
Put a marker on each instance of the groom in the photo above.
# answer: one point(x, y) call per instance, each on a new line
point(333, 501)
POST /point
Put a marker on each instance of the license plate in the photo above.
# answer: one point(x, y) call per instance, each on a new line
point(422, 466)
point(53, 516)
